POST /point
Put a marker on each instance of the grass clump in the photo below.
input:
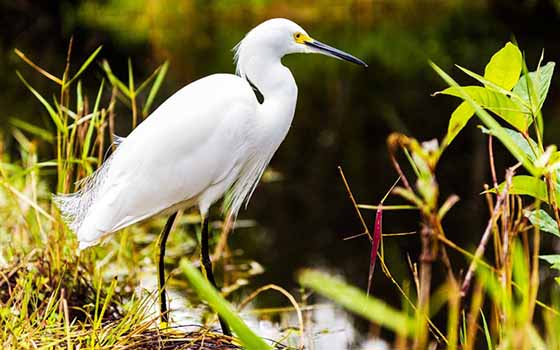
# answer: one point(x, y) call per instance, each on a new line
point(52, 297)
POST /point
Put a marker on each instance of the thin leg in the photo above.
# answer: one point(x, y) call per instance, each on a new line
point(207, 266)
point(161, 270)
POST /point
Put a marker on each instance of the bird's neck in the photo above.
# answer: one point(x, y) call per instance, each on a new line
point(279, 91)
point(272, 79)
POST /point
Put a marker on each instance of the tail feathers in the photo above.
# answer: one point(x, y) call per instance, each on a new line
point(75, 207)
point(84, 245)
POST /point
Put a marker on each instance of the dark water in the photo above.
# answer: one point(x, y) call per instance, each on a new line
point(344, 113)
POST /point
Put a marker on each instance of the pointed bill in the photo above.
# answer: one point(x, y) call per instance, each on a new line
point(325, 49)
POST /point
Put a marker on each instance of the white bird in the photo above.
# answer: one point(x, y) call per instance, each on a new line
point(210, 137)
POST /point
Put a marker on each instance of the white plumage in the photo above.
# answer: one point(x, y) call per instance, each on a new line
point(210, 136)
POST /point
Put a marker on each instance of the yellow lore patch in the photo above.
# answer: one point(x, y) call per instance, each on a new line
point(301, 38)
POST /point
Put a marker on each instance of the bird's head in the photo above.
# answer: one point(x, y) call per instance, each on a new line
point(279, 37)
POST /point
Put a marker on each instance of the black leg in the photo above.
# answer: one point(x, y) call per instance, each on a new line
point(161, 270)
point(207, 267)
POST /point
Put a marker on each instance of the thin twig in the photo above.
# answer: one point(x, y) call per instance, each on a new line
point(289, 297)
point(388, 207)
point(486, 235)
point(363, 222)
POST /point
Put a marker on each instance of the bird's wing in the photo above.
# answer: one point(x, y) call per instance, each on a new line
point(192, 141)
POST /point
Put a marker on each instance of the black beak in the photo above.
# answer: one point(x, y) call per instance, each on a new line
point(336, 53)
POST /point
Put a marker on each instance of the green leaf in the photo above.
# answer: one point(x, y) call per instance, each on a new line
point(54, 116)
point(503, 106)
point(553, 260)
point(79, 98)
point(114, 80)
point(527, 144)
point(490, 123)
point(32, 129)
point(84, 66)
point(544, 221)
point(205, 290)
point(520, 273)
point(155, 88)
point(489, 343)
point(541, 83)
point(528, 185)
point(357, 301)
point(92, 123)
point(504, 67)
point(130, 76)
point(459, 118)
point(496, 87)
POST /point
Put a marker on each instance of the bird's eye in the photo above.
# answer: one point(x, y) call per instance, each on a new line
point(298, 37)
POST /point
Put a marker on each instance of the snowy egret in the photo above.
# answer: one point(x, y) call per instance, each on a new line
point(215, 135)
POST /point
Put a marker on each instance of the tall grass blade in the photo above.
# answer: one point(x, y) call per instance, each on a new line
point(54, 116)
point(114, 80)
point(32, 129)
point(37, 68)
point(92, 123)
point(84, 66)
point(486, 331)
point(130, 76)
point(205, 290)
point(358, 302)
point(155, 88)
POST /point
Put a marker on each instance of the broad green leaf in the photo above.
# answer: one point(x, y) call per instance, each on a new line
point(490, 123)
point(504, 67)
point(459, 118)
point(496, 87)
point(541, 83)
point(541, 219)
point(530, 186)
point(206, 292)
point(527, 144)
point(553, 260)
point(503, 106)
point(357, 301)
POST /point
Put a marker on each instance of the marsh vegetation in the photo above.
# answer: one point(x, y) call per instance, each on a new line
point(466, 239)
